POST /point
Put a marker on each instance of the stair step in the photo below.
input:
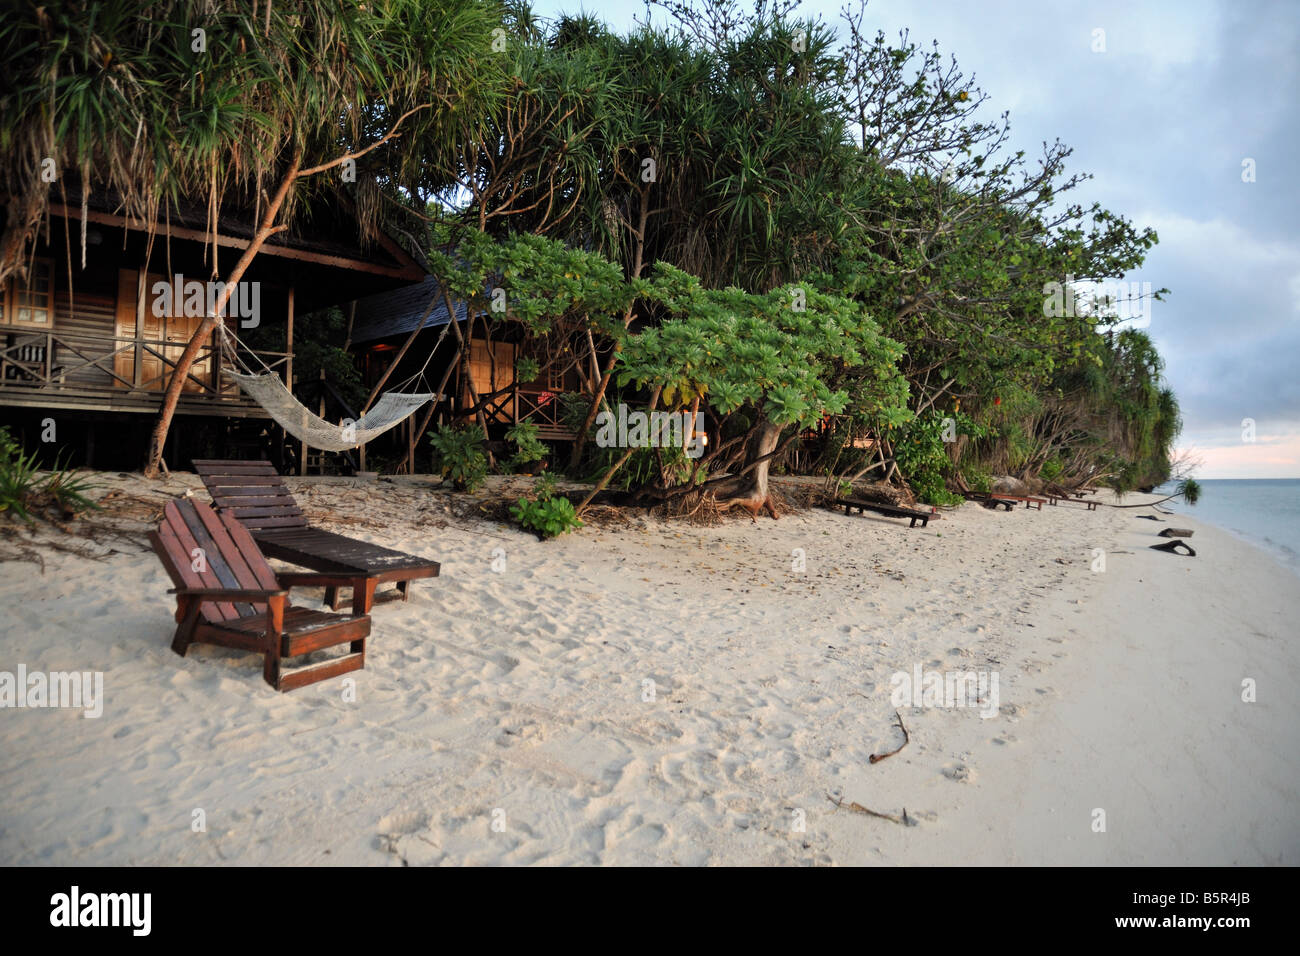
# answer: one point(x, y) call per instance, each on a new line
point(291, 678)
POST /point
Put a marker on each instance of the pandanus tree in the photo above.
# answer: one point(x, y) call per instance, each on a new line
point(237, 104)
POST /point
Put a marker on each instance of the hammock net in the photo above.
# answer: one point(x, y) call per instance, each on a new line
point(269, 392)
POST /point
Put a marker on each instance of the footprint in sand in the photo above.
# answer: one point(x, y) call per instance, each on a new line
point(959, 772)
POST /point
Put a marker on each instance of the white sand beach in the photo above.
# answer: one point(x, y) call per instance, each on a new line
point(505, 717)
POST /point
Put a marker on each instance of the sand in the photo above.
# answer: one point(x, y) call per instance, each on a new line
point(664, 693)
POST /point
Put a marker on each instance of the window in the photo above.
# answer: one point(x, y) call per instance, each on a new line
point(30, 304)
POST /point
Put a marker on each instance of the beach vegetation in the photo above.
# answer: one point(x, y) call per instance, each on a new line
point(548, 513)
point(460, 455)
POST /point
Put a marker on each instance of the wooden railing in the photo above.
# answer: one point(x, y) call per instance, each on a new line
point(512, 404)
point(542, 408)
point(48, 359)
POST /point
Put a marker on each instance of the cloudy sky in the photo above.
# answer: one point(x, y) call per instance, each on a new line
point(1182, 96)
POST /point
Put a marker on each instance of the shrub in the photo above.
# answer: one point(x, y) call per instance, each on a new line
point(978, 478)
point(922, 457)
point(548, 515)
point(529, 447)
point(459, 456)
point(22, 491)
point(18, 479)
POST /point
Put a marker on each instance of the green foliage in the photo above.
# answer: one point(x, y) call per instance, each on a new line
point(978, 478)
point(18, 479)
point(116, 91)
point(548, 514)
point(771, 352)
point(1051, 469)
point(1190, 489)
point(527, 370)
point(459, 455)
point(922, 457)
point(23, 492)
point(528, 447)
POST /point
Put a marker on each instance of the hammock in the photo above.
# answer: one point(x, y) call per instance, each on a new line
point(268, 391)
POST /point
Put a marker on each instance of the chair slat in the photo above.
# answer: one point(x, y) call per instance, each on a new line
point(250, 568)
point(239, 535)
point(175, 522)
point(216, 558)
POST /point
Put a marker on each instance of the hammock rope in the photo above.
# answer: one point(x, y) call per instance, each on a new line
point(266, 388)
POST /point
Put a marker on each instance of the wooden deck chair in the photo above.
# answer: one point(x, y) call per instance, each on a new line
point(227, 594)
point(894, 511)
point(254, 493)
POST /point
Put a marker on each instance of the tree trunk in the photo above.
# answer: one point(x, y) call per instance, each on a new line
point(750, 491)
point(266, 231)
point(186, 361)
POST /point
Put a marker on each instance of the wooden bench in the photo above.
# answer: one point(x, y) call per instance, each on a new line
point(227, 594)
point(254, 493)
point(1056, 499)
point(1029, 500)
point(893, 511)
point(994, 501)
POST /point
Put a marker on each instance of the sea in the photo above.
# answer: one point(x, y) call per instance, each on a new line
point(1263, 511)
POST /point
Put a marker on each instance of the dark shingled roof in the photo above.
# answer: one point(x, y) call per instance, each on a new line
point(398, 312)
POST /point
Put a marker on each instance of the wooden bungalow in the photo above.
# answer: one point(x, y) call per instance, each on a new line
point(382, 325)
point(82, 343)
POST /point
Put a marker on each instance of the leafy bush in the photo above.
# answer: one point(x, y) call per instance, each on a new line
point(459, 456)
point(18, 479)
point(978, 478)
point(67, 490)
point(529, 447)
point(22, 491)
point(922, 457)
point(1051, 469)
point(549, 515)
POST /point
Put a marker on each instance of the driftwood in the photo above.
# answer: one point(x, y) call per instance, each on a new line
point(903, 820)
point(876, 758)
point(1176, 533)
point(1173, 545)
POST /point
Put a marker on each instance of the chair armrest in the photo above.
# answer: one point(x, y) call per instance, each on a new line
point(241, 595)
point(307, 579)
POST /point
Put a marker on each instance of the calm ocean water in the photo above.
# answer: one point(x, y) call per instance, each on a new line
point(1263, 511)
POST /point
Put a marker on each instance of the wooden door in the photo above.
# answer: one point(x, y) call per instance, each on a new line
point(161, 336)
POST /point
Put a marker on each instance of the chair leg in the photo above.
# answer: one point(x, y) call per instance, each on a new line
point(405, 588)
point(274, 630)
point(187, 612)
point(332, 598)
point(363, 596)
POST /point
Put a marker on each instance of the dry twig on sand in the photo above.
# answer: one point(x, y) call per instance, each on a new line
point(876, 758)
point(904, 820)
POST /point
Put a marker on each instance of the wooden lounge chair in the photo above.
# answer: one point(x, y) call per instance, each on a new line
point(1029, 500)
point(994, 501)
point(252, 492)
point(1056, 499)
point(227, 594)
point(894, 511)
